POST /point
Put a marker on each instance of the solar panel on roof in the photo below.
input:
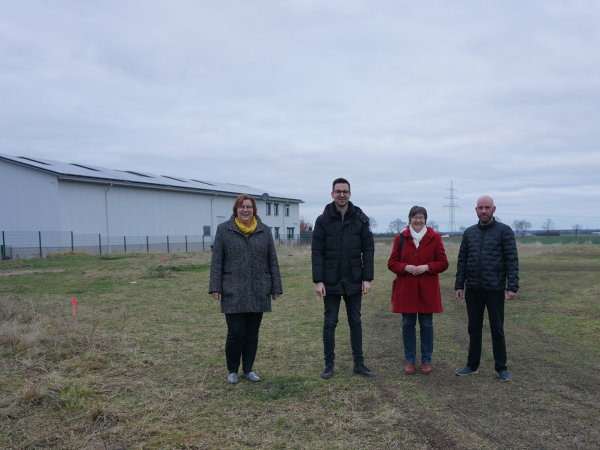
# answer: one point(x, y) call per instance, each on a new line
point(85, 167)
point(203, 182)
point(136, 173)
point(34, 160)
point(176, 179)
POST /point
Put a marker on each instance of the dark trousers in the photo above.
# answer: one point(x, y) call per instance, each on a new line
point(242, 340)
point(332, 309)
point(477, 300)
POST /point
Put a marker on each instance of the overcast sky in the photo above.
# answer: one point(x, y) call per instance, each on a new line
point(400, 97)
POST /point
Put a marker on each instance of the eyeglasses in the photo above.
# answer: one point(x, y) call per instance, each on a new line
point(341, 192)
point(418, 218)
point(245, 207)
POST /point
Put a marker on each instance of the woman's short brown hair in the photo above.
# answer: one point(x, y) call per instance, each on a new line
point(239, 201)
point(417, 210)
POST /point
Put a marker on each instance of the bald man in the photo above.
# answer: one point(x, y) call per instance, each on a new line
point(488, 266)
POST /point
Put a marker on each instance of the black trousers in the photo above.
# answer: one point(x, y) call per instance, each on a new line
point(242, 340)
point(332, 309)
point(477, 300)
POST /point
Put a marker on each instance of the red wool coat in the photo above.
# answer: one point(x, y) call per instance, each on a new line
point(421, 293)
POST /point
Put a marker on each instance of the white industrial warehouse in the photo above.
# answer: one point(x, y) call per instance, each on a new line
point(67, 199)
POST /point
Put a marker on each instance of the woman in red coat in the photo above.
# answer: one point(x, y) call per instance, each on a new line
point(417, 257)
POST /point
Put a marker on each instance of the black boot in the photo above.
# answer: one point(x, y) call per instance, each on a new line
point(328, 372)
point(361, 369)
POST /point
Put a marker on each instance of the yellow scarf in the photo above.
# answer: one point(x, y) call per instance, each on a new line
point(247, 230)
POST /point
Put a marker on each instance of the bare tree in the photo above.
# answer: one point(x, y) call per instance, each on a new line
point(396, 226)
point(433, 224)
point(576, 228)
point(521, 227)
point(548, 225)
point(372, 223)
point(304, 225)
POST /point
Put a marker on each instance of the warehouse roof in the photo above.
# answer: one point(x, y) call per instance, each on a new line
point(95, 174)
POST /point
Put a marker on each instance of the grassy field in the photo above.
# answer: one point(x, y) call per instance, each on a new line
point(142, 365)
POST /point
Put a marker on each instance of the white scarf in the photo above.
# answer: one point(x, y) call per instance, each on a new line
point(418, 236)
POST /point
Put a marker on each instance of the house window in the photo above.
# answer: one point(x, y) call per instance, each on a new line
point(276, 213)
point(290, 233)
point(268, 209)
point(206, 230)
point(276, 232)
point(287, 210)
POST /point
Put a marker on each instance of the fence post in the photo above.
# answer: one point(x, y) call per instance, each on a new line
point(168, 243)
point(100, 242)
point(40, 241)
point(3, 255)
point(72, 246)
point(125, 244)
point(147, 245)
point(202, 242)
point(186, 243)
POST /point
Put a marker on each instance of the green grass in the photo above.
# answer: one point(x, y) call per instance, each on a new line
point(142, 365)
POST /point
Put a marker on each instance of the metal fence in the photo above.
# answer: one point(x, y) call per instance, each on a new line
point(39, 244)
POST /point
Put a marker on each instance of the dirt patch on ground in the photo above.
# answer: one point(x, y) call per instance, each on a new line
point(28, 271)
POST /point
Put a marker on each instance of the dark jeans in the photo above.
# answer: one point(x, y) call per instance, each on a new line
point(477, 300)
point(409, 336)
point(242, 340)
point(332, 309)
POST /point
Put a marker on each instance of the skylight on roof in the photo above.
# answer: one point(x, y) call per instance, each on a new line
point(34, 160)
point(85, 167)
point(176, 179)
point(203, 182)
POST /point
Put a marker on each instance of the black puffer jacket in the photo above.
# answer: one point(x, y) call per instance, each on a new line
point(488, 259)
point(342, 250)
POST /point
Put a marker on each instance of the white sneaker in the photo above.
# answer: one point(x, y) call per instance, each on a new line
point(251, 376)
point(232, 378)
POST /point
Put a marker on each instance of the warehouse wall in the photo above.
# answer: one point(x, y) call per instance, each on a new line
point(28, 199)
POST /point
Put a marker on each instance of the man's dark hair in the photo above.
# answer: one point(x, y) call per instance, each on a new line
point(417, 210)
point(339, 181)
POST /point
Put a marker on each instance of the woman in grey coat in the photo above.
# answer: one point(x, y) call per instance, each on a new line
point(244, 276)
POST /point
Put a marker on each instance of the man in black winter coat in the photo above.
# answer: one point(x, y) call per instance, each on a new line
point(488, 265)
point(342, 267)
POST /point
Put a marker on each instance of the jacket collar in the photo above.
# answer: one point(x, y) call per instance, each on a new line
point(231, 225)
point(488, 226)
point(428, 236)
point(331, 210)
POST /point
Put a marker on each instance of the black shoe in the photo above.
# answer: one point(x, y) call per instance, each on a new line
point(504, 375)
point(361, 369)
point(327, 372)
point(466, 371)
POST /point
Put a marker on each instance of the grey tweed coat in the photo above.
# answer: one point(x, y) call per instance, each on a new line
point(244, 269)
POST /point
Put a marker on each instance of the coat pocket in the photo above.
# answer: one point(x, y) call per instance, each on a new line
point(228, 284)
point(331, 273)
point(267, 284)
point(356, 267)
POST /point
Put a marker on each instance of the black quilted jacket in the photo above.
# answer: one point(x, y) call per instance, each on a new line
point(488, 259)
point(342, 250)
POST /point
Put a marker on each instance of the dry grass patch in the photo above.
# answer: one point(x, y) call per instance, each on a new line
point(143, 364)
